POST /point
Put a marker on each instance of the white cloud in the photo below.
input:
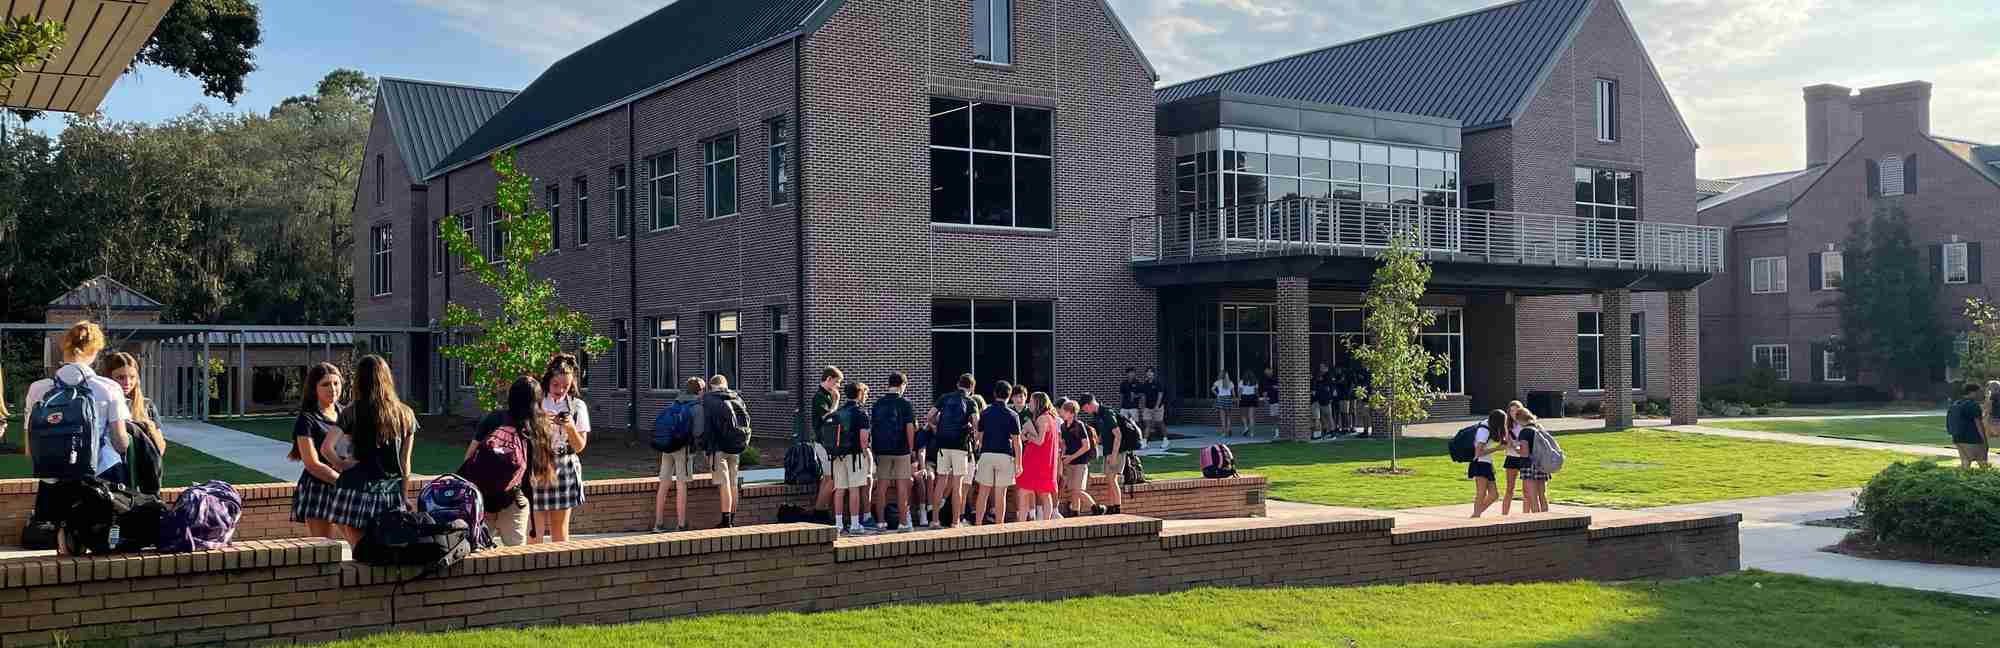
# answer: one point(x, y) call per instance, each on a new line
point(535, 29)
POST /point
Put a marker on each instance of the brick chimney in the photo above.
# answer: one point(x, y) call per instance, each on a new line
point(1897, 108)
point(1831, 123)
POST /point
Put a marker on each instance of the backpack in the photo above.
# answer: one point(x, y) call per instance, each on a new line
point(1135, 471)
point(496, 468)
point(1218, 461)
point(793, 513)
point(102, 508)
point(728, 423)
point(954, 431)
point(1130, 436)
point(204, 517)
point(62, 428)
point(890, 425)
point(142, 460)
point(1461, 447)
point(451, 497)
point(801, 468)
point(402, 537)
point(844, 426)
point(1548, 455)
point(673, 429)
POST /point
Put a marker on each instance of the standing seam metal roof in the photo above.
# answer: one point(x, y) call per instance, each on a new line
point(103, 291)
point(1476, 67)
point(429, 119)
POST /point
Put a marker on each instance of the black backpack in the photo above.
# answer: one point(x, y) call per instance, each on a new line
point(402, 537)
point(890, 426)
point(142, 459)
point(1129, 434)
point(728, 422)
point(1461, 443)
point(842, 432)
point(801, 468)
point(101, 506)
point(1135, 470)
point(954, 429)
point(62, 428)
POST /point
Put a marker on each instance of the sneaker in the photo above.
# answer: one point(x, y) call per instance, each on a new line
point(1099, 509)
point(1166, 445)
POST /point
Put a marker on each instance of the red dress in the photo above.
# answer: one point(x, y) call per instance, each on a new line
point(1038, 460)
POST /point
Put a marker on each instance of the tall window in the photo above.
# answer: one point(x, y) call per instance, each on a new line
point(780, 169)
point(1481, 196)
point(1957, 264)
point(552, 199)
point(1228, 167)
point(993, 339)
point(781, 348)
point(378, 178)
point(993, 31)
point(1829, 270)
point(381, 243)
point(582, 190)
point(1607, 110)
point(666, 190)
point(1776, 356)
point(1589, 352)
point(471, 226)
point(1830, 366)
point(621, 337)
point(992, 164)
point(621, 202)
point(724, 330)
point(496, 236)
point(1638, 353)
point(666, 343)
point(1607, 193)
point(1767, 275)
point(437, 247)
point(719, 175)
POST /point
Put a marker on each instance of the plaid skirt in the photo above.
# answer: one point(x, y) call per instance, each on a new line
point(357, 508)
point(312, 500)
point(566, 493)
point(1536, 475)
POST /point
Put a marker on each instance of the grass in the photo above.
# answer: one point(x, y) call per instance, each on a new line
point(1627, 469)
point(1920, 430)
point(1742, 609)
point(430, 455)
point(184, 465)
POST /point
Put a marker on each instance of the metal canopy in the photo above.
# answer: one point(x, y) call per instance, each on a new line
point(102, 38)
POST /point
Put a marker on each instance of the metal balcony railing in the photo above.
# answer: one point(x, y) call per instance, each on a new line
point(1328, 226)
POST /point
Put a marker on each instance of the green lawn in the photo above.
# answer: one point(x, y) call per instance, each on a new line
point(1744, 609)
point(1628, 469)
point(1922, 430)
point(184, 466)
point(429, 457)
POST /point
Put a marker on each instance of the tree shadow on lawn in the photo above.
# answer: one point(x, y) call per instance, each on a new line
point(1756, 608)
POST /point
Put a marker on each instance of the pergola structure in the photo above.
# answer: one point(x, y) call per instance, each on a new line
point(101, 39)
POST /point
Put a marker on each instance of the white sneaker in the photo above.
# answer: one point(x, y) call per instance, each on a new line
point(1166, 445)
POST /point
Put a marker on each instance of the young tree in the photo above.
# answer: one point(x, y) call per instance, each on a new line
point(1398, 365)
point(520, 338)
point(1888, 304)
point(1980, 360)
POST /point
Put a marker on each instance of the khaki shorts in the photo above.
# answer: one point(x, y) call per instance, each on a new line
point(892, 468)
point(1970, 452)
point(954, 463)
point(995, 469)
point(1114, 465)
point(511, 523)
point(1323, 411)
point(1130, 414)
point(675, 466)
point(725, 470)
point(1155, 415)
point(1076, 476)
point(850, 471)
point(825, 464)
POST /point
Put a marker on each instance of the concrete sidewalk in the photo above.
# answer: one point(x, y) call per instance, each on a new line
point(257, 453)
point(1807, 439)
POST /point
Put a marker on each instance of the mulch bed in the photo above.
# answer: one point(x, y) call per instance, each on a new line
point(1859, 545)
point(1849, 522)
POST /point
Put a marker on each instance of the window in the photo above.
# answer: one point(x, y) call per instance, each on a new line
point(552, 199)
point(1957, 268)
point(780, 169)
point(1830, 270)
point(720, 175)
point(1638, 356)
point(1481, 196)
point(496, 236)
point(723, 346)
point(1607, 110)
point(992, 165)
point(1231, 167)
point(1830, 368)
point(378, 178)
point(1589, 352)
point(666, 343)
point(1607, 193)
point(993, 31)
point(621, 335)
point(381, 243)
point(437, 247)
point(1776, 356)
point(1889, 178)
point(582, 190)
point(1767, 275)
point(666, 190)
point(781, 348)
point(471, 227)
point(993, 339)
point(621, 202)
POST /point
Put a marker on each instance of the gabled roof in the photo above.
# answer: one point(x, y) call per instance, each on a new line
point(1480, 68)
point(1748, 185)
point(105, 292)
point(1706, 187)
point(1984, 159)
point(429, 118)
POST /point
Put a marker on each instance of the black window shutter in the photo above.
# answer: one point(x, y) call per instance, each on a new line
point(1818, 362)
point(1874, 179)
point(1910, 173)
point(1937, 263)
point(1812, 270)
point(1972, 262)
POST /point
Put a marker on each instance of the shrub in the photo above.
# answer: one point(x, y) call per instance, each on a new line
point(1572, 409)
point(1952, 510)
point(751, 457)
point(1591, 407)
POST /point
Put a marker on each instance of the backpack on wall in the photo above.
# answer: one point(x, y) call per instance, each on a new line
point(1461, 447)
point(1129, 434)
point(1218, 461)
point(451, 497)
point(496, 467)
point(1548, 455)
point(110, 517)
point(62, 427)
point(204, 517)
point(673, 429)
point(1135, 470)
point(728, 423)
point(801, 468)
point(402, 537)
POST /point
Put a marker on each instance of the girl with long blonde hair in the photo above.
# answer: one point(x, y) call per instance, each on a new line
point(57, 496)
point(142, 467)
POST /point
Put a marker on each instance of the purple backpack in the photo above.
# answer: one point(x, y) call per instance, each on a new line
point(204, 517)
point(451, 497)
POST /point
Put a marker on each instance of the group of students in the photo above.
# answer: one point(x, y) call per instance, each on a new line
point(1336, 401)
point(1972, 420)
point(118, 442)
point(1510, 433)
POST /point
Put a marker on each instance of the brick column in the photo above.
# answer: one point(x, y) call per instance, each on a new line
point(1294, 354)
point(1615, 321)
point(1683, 357)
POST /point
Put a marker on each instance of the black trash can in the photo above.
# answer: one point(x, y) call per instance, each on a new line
point(1546, 404)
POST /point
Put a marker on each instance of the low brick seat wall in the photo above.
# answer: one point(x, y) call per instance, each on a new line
point(301, 590)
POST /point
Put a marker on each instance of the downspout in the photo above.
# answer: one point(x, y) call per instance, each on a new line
point(632, 284)
point(799, 218)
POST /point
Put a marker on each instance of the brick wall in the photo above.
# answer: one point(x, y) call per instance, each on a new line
point(401, 209)
point(302, 590)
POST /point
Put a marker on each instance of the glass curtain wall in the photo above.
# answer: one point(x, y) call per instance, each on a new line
point(1241, 339)
point(1241, 168)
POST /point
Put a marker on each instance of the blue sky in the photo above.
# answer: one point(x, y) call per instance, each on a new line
point(1735, 66)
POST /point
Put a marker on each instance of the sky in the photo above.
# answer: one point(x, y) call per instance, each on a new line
point(1735, 67)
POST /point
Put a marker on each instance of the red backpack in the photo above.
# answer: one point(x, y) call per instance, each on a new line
point(496, 467)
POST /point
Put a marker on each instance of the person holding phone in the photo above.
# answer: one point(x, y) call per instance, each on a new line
point(551, 505)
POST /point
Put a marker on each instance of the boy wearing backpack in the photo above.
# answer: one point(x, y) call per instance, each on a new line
point(673, 436)
point(846, 439)
point(893, 437)
point(952, 421)
point(825, 401)
point(1107, 424)
point(724, 425)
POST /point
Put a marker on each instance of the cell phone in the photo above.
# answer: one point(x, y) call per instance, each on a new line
point(562, 416)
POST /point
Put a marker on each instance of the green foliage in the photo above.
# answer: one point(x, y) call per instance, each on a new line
point(215, 371)
point(1398, 365)
point(1952, 510)
point(521, 337)
point(26, 42)
point(1887, 304)
point(1754, 391)
point(208, 40)
point(1980, 361)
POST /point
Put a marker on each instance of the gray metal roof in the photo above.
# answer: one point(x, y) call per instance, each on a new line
point(1478, 67)
point(1983, 158)
point(429, 119)
point(278, 338)
point(1748, 185)
point(103, 291)
point(1774, 216)
point(1707, 187)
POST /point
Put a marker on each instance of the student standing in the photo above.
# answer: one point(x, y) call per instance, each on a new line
point(142, 467)
point(319, 411)
point(1517, 457)
point(1488, 439)
point(952, 422)
point(846, 448)
point(999, 447)
point(1225, 401)
point(1153, 410)
point(724, 424)
point(1040, 445)
point(55, 497)
point(1267, 392)
point(1105, 423)
point(1131, 396)
point(553, 504)
point(1246, 400)
point(677, 467)
point(1962, 421)
point(1534, 482)
point(893, 438)
point(1078, 449)
point(530, 431)
point(825, 401)
point(380, 430)
point(1322, 403)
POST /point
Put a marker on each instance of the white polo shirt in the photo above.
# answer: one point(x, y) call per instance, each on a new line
point(104, 393)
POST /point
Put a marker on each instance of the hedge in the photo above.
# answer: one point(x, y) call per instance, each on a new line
point(1952, 510)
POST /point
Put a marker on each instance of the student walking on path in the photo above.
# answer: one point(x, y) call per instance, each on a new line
point(142, 468)
point(553, 504)
point(1963, 423)
point(319, 413)
point(1224, 388)
point(379, 430)
point(93, 451)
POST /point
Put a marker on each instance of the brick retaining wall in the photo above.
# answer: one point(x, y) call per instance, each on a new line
point(301, 590)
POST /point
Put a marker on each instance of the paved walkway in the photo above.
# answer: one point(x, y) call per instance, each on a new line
point(1807, 439)
point(257, 453)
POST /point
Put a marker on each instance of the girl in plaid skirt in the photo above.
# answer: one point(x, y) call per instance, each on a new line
point(312, 501)
point(380, 430)
point(570, 419)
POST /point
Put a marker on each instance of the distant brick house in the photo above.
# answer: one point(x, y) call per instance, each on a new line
point(996, 186)
point(1865, 150)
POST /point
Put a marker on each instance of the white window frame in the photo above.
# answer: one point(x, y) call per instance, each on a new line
point(1773, 269)
point(1828, 362)
point(1607, 110)
point(1771, 353)
point(1961, 253)
point(780, 172)
point(664, 334)
point(993, 18)
point(381, 244)
point(1831, 270)
point(716, 335)
point(1883, 185)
